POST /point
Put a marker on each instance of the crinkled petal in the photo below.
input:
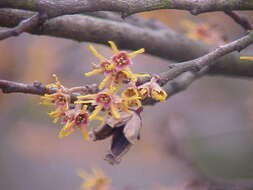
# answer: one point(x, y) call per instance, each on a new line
point(134, 53)
point(114, 112)
point(84, 102)
point(84, 132)
point(67, 129)
point(95, 112)
point(104, 82)
point(95, 53)
point(113, 46)
point(93, 72)
point(88, 96)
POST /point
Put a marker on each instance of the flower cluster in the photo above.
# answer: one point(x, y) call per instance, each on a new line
point(96, 180)
point(203, 32)
point(116, 104)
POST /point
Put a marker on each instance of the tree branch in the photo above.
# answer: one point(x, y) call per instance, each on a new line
point(163, 43)
point(242, 21)
point(23, 26)
point(63, 7)
point(38, 88)
point(176, 79)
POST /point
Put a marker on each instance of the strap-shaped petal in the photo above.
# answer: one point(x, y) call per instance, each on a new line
point(114, 112)
point(84, 133)
point(246, 58)
point(137, 52)
point(67, 129)
point(104, 82)
point(95, 53)
point(114, 47)
point(93, 72)
point(95, 112)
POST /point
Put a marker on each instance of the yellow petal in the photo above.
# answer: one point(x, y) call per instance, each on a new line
point(82, 174)
point(104, 82)
point(84, 102)
point(47, 103)
point(115, 112)
point(117, 86)
point(84, 133)
point(188, 24)
point(88, 96)
point(130, 74)
point(160, 96)
point(111, 90)
point(141, 75)
point(134, 53)
point(125, 106)
point(67, 129)
point(93, 72)
point(95, 53)
point(246, 58)
point(95, 112)
point(113, 46)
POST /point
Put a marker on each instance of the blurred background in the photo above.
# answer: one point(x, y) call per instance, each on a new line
point(206, 130)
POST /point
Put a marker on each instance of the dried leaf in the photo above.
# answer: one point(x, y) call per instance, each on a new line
point(120, 146)
point(125, 117)
point(102, 133)
point(132, 128)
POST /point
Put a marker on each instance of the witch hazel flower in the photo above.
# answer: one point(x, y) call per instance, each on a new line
point(130, 98)
point(123, 60)
point(116, 69)
point(60, 99)
point(103, 101)
point(152, 89)
point(76, 118)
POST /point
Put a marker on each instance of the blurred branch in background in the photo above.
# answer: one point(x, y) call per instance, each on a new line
point(126, 8)
point(239, 20)
point(23, 26)
point(163, 43)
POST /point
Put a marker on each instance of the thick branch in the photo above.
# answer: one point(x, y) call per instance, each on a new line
point(163, 43)
point(23, 26)
point(63, 7)
point(242, 21)
point(14, 87)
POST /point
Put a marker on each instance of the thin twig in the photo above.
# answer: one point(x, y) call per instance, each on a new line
point(241, 20)
point(38, 88)
point(23, 26)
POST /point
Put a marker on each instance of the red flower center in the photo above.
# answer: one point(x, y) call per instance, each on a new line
point(104, 99)
point(82, 118)
point(107, 66)
point(121, 59)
